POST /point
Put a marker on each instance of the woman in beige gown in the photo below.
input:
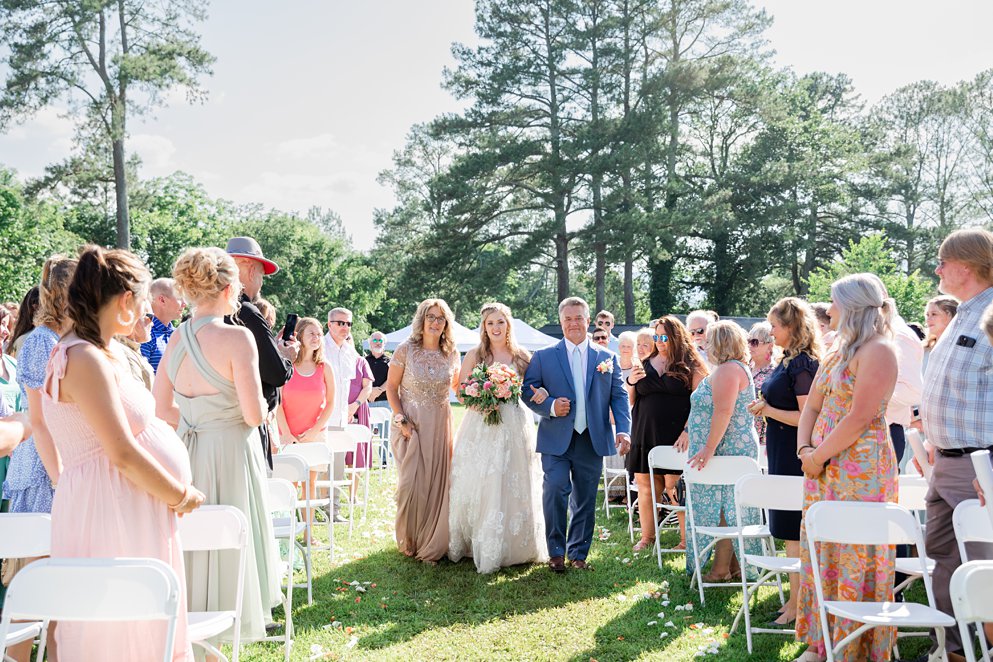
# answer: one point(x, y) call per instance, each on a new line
point(422, 371)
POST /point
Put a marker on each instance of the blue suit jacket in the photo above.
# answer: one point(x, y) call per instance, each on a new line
point(550, 369)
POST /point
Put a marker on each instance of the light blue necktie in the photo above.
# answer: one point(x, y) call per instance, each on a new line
point(579, 380)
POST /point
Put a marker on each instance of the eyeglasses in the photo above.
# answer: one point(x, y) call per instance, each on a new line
point(662, 338)
point(340, 323)
point(755, 342)
point(435, 318)
point(697, 332)
point(376, 341)
point(599, 338)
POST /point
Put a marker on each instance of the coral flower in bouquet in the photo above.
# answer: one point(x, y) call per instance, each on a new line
point(488, 387)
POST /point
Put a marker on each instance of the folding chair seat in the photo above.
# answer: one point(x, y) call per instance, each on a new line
point(665, 458)
point(972, 601)
point(283, 499)
point(294, 469)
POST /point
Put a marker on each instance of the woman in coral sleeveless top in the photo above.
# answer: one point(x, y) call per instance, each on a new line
point(126, 474)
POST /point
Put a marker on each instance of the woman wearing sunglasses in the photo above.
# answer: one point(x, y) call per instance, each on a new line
point(660, 395)
point(794, 328)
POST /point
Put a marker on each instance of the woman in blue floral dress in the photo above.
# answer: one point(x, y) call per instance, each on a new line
point(720, 425)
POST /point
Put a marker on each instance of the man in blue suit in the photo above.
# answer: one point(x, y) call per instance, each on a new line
point(583, 382)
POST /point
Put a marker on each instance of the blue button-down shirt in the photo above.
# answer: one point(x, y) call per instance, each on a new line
point(155, 348)
point(957, 403)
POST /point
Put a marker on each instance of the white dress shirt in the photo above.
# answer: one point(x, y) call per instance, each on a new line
point(342, 361)
point(583, 347)
point(909, 383)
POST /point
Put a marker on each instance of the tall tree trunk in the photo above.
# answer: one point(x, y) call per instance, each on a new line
point(628, 291)
point(599, 245)
point(559, 194)
point(121, 186)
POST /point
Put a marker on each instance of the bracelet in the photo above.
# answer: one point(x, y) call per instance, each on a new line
point(800, 451)
point(182, 502)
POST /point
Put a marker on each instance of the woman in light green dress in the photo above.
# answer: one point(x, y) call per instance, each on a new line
point(216, 405)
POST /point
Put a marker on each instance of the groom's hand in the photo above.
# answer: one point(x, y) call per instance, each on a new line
point(622, 443)
point(562, 406)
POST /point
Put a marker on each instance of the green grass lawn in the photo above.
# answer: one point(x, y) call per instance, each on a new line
point(412, 611)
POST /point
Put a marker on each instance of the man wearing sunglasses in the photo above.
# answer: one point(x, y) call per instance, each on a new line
point(340, 353)
point(605, 320)
point(379, 363)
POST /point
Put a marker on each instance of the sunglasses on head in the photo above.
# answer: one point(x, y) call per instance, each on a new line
point(662, 338)
point(340, 323)
point(697, 332)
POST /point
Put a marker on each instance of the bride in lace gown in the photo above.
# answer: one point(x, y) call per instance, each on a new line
point(495, 512)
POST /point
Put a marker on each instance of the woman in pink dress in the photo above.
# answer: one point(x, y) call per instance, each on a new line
point(308, 398)
point(126, 475)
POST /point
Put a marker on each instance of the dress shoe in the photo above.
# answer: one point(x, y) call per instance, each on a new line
point(580, 565)
point(556, 564)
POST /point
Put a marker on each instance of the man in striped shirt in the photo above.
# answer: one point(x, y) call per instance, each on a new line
point(166, 308)
point(957, 403)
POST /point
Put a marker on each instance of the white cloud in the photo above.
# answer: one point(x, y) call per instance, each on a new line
point(156, 152)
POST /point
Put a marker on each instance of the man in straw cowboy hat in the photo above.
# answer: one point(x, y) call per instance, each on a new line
point(275, 355)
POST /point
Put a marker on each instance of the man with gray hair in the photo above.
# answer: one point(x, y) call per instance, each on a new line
point(167, 307)
point(340, 353)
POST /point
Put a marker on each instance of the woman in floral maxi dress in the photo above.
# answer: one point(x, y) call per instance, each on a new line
point(844, 444)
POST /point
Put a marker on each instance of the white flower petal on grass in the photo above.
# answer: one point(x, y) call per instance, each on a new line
point(652, 623)
point(670, 624)
point(661, 614)
point(665, 603)
point(622, 598)
point(663, 635)
point(352, 643)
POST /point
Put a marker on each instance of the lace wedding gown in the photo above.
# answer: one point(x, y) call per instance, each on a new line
point(496, 516)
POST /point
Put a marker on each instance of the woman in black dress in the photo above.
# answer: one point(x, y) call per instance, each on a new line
point(660, 397)
point(784, 392)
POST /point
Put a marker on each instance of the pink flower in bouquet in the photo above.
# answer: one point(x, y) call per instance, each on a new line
point(472, 390)
point(488, 386)
point(503, 392)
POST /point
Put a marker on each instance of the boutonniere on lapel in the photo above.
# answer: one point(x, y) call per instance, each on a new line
point(605, 367)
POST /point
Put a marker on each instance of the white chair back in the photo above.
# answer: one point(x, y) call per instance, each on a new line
point(722, 470)
point(360, 432)
point(25, 535)
point(291, 467)
point(920, 454)
point(341, 441)
point(971, 525)
point(862, 523)
point(213, 527)
point(282, 494)
point(912, 490)
point(95, 590)
point(667, 458)
point(984, 475)
point(972, 602)
point(316, 455)
point(769, 492)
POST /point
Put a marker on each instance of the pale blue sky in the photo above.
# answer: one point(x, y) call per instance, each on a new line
point(310, 98)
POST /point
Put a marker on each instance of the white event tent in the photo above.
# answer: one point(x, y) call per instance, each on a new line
point(526, 335)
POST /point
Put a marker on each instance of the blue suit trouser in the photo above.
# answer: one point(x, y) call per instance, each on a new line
point(570, 486)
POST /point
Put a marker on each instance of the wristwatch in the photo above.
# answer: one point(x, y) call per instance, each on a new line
point(399, 419)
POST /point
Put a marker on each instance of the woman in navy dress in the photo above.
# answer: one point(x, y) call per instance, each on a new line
point(784, 392)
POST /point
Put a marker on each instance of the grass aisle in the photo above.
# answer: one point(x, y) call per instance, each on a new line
point(411, 611)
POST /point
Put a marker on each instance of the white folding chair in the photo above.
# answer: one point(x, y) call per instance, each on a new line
point(984, 476)
point(319, 460)
point(213, 528)
point(877, 524)
point(340, 443)
point(24, 535)
point(911, 493)
point(379, 420)
point(611, 478)
point(283, 499)
point(920, 453)
point(63, 590)
point(766, 492)
point(362, 435)
point(721, 470)
point(665, 458)
point(972, 602)
point(294, 469)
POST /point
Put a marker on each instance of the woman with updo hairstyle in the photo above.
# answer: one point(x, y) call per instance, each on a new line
point(846, 454)
point(422, 371)
point(938, 314)
point(211, 392)
point(125, 474)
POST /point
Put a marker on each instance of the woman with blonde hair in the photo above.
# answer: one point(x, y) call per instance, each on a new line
point(208, 387)
point(308, 398)
point(720, 425)
point(795, 329)
point(938, 314)
point(844, 446)
point(660, 387)
point(762, 349)
point(423, 370)
point(496, 513)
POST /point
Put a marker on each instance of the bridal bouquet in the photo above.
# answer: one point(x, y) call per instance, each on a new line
point(488, 387)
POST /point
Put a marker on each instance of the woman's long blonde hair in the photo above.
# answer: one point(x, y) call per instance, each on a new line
point(447, 342)
point(53, 292)
point(865, 312)
point(317, 354)
point(800, 319)
point(485, 353)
